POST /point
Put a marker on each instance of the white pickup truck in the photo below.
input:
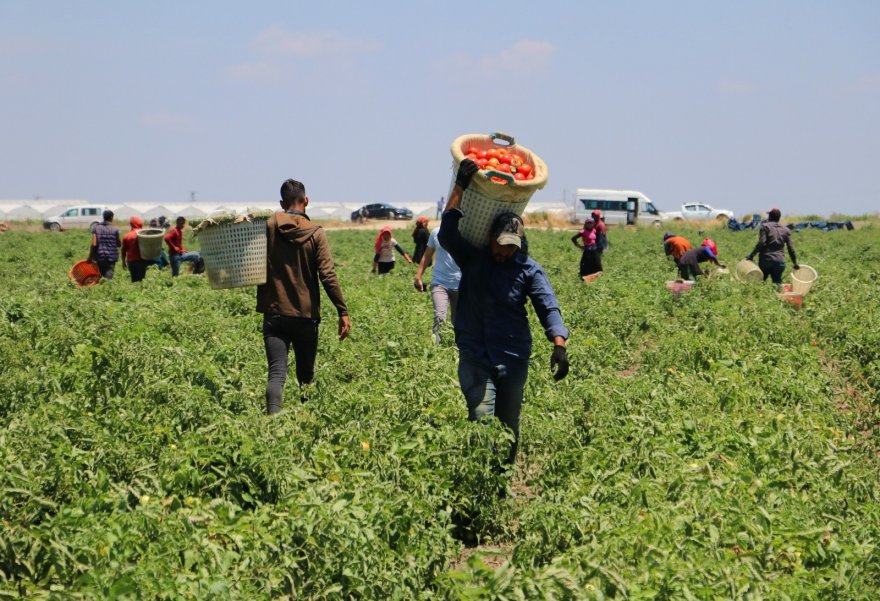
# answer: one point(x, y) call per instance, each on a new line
point(698, 211)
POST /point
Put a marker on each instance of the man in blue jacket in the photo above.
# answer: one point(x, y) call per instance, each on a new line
point(491, 325)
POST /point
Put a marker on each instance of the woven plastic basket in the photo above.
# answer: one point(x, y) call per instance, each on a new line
point(486, 198)
point(150, 243)
point(235, 253)
point(84, 274)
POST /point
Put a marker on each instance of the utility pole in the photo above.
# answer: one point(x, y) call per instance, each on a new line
point(192, 196)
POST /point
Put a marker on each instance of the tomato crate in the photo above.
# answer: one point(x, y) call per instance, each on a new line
point(493, 190)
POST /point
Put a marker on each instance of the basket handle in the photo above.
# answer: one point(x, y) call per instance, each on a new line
point(505, 176)
point(500, 135)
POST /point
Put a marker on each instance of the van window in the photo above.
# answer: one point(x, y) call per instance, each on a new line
point(603, 205)
point(90, 211)
point(649, 207)
point(71, 213)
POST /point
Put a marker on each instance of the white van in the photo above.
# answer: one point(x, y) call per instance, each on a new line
point(617, 207)
point(75, 217)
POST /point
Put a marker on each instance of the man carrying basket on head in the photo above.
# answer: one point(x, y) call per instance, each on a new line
point(299, 258)
point(491, 325)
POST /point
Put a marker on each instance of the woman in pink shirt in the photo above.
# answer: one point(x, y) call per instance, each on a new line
point(586, 239)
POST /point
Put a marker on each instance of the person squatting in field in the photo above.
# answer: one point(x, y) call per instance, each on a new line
point(298, 259)
point(675, 247)
point(420, 236)
point(385, 245)
point(491, 325)
point(586, 239)
point(772, 238)
point(689, 263)
point(105, 245)
point(177, 253)
point(131, 252)
point(445, 277)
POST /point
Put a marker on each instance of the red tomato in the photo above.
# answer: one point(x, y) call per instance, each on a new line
point(494, 162)
point(471, 156)
point(481, 154)
point(518, 176)
point(481, 163)
point(525, 169)
point(516, 160)
point(492, 153)
point(505, 158)
point(498, 180)
point(530, 176)
point(503, 167)
point(473, 150)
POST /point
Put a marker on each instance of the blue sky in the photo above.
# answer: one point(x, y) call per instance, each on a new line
point(743, 105)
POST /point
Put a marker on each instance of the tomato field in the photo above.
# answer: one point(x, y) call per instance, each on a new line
point(721, 445)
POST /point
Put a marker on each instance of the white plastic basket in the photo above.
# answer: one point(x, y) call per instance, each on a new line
point(486, 199)
point(235, 253)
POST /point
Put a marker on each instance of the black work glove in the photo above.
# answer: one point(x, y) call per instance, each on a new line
point(749, 257)
point(559, 362)
point(465, 174)
point(796, 266)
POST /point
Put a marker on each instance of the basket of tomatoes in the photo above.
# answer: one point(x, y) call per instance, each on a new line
point(509, 175)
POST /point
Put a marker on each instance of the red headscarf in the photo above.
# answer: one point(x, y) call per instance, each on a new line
point(378, 245)
point(136, 223)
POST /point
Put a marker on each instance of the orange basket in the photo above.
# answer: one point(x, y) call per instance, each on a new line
point(85, 273)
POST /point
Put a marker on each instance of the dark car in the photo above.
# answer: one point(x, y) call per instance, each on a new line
point(381, 210)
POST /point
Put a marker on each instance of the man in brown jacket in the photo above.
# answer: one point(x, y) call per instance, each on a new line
point(298, 259)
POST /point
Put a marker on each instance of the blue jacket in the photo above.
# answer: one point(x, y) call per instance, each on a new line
point(491, 319)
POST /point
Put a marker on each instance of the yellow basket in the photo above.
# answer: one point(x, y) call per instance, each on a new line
point(746, 271)
point(235, 253)
point(486, 199)
point(802, 279)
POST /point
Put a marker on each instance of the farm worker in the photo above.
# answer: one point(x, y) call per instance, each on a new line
point(772, 237)
point(445, 277)
point(176, 252)
point(689, 263)
point(586, 239)
point(420, 236)
point(491, 325)
point(385, 245)
point(298, 259)
point(675, 246)
point(105, 245)
point(131, 252)
point(601, 232)
point(441, 203)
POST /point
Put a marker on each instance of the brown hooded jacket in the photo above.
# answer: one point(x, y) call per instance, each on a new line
point(298, 258)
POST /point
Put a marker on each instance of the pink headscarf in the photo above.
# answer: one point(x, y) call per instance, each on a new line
point(378, 244)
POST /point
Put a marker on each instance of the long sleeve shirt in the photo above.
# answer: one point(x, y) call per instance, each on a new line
point(174, 239)
point(491, 320)
point(772, 238)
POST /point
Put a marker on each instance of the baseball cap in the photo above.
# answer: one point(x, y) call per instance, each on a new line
point(508, 229)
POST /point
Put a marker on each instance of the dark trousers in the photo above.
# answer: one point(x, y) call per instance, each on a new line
point(137, 270)
point(107, 268)
point(279, 334)
point(385, 267)
point(772, 269)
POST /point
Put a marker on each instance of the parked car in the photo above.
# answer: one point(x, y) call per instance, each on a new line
point(75, 217)
point(698, 211)
point(381, 210)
